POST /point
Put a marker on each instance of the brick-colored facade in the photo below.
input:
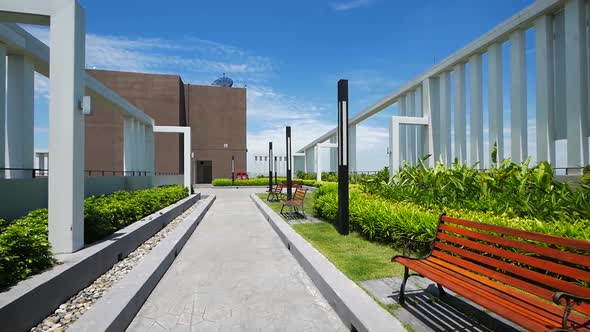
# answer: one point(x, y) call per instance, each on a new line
point(216, 115)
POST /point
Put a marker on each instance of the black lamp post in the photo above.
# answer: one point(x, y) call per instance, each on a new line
point(233, 170)
point(289, 176)
point(275, 170)
point(343, 212)
point(269, 166)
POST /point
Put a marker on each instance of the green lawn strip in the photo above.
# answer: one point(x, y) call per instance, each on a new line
point(357, 258)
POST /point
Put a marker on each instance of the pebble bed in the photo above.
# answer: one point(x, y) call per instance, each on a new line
point(78, 304)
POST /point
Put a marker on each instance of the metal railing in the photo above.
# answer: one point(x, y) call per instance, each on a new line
point(19, 173)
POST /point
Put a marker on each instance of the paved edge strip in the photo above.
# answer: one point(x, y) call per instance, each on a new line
point(117, 308)
point(32, 300)
point(357, 310)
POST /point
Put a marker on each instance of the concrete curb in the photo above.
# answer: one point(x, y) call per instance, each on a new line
point(357, 309)
point(33, 299)
point(117, 308)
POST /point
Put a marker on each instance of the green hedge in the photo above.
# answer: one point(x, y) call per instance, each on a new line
point(223, 182)
point(508, 188)
point(387, 221)
point(24, 246)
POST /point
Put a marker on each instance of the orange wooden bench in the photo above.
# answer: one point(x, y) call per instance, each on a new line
point(540, 282)
point(276, 193)
point(296, 202)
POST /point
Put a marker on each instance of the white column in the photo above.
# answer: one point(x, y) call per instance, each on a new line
point(127, 143)
point(318, 163)
point(66, 129)
point(545, 81)
point(2, 107)
point(403, 136)
point(419, 130)
point(187, 158)
point(352, 148)
point(476, 111)
point(394, 146)
point(305, 156)
point(460, 119)
point(576, 85)
point(431, 110)
point(445, 118)
point(333, 155)
point(141, 147)
point(150, 160)
point(20, 94)
point(496, 124)
point(518, 97)
point(411, 130)
point(559, 117)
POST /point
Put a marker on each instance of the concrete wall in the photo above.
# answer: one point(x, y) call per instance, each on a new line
point(217, 116)
point(19, 196)
point(159, 96)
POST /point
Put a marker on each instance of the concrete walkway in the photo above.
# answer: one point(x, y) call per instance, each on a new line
point(234, 274)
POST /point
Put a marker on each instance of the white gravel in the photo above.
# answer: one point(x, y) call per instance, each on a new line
point(77, 305)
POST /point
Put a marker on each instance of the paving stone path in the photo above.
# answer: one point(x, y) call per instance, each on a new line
point(234, 274)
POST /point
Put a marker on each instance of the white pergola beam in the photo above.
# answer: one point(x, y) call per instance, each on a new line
point(496, 107)
point(476, 110)
point(576, 83)
point(186, 133)
point(460, 113)
point(395, 161)
point(545, 131)
point(518, 97)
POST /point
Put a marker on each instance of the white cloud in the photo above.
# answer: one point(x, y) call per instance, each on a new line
point(151, 55)
point(350, 4)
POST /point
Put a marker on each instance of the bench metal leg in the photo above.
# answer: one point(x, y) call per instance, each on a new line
point(402, 295)
point(282, 207)
point(441, 291)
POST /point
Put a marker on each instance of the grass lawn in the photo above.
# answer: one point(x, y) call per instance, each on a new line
point(359, 259)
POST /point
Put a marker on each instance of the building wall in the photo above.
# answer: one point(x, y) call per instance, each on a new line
point(217, 116)
point(159, 96)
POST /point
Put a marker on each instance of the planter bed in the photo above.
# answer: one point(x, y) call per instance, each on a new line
point(35, 298)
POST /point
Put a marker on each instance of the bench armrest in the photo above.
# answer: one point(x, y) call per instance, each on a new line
point(570, 301)
point(558, 296)
point(412, 246)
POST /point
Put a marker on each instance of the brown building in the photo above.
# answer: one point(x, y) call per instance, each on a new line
point(216, 115)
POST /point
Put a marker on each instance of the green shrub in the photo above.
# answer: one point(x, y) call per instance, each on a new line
point(24, 248)
point(387, 221)
point(24, 245)
point(223, 182)
point(510, 189)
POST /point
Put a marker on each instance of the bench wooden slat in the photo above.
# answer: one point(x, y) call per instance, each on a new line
point(531, 261)
point(492, 289)
point(546, 238)
point(532, 248)
point(534, 304)
point(516, 270)
point(503, 277)
point(474, 294)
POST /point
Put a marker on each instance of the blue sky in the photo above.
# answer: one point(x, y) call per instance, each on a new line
point(290, 54)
